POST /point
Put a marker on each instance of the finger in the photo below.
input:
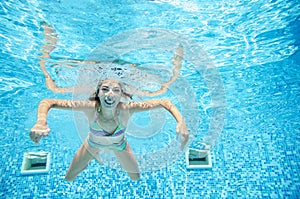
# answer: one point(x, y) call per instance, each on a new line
point(184, 140)
point(32, 136)
point(46, 132)
point(37, 138)
point(183, 144)
point(40, 132)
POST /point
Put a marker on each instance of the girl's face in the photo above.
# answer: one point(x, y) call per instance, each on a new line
point(110, 93)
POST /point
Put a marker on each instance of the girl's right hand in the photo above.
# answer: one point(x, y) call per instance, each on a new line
point(182, 130)
point(38, 131)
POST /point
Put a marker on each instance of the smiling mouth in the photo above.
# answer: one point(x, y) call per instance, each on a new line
point(109, 102)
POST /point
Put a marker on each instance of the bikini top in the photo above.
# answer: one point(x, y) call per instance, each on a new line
point(98, 131)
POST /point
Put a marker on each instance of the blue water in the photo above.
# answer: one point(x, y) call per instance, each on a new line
point(254, 46)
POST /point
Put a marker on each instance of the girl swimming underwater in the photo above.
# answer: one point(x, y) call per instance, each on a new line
point(108, 117)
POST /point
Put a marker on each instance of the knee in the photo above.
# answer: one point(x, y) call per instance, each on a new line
point(134, 176)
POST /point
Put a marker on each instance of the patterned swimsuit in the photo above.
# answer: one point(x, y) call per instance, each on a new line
point(97, 131)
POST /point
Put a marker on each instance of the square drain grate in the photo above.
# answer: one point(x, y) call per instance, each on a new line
point(198, 159)
point(35, 163)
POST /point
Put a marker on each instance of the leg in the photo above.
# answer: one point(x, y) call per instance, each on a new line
point(81, 160)
point(128, 162)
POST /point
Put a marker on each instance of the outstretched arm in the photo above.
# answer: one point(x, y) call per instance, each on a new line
point(181, 128)
point(50, 42)
point(49, 45)
point(41, 129)
point(177, 64)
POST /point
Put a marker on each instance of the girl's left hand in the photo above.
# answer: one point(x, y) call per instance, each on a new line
point(182, 131)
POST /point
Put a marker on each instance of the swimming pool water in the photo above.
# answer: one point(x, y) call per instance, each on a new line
point(253, 44)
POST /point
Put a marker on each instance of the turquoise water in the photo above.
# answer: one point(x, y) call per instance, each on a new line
point(254, 48)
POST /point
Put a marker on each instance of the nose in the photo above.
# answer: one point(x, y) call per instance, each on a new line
point(109, 93)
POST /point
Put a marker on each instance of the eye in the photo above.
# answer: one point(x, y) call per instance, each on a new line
point(116, 90)
point(104, 89)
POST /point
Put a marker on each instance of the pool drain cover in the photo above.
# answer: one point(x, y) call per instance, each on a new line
point(35, 163)
point(198, 159)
